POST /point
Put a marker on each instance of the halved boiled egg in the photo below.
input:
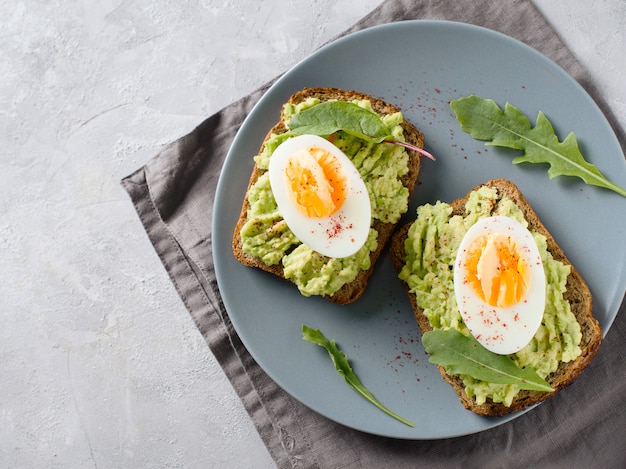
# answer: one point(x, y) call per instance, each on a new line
point(500, 284)
point(320, 195)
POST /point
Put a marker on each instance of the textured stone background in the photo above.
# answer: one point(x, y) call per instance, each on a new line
point(89, 91)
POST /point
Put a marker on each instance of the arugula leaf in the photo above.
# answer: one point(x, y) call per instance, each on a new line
point(329, 117)
point(484, 120)
point(343, 367)
point(464, 355)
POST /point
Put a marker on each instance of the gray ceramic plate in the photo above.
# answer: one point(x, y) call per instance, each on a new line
point(419, 66)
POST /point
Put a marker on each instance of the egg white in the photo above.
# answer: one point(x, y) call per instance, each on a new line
point(501, 330)
point(344, 232)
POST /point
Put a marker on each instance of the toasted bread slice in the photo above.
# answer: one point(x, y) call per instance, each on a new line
point(353, 290)
point(577, 294)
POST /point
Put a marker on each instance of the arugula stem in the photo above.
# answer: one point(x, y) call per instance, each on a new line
point(408, 146)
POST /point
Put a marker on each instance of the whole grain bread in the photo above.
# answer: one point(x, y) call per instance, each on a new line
point(577, 293)
point(353, 290)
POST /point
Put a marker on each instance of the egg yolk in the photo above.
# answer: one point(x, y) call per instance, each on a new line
point(316, 182)
point(497, 270)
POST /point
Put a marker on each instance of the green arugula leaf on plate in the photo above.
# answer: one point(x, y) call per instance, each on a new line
point(462, 354)
point(483, 119)
point(343, 367)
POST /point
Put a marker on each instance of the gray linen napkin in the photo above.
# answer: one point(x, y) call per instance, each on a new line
point(173, 195)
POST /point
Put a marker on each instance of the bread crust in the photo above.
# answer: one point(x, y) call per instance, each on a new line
point(577, 293)
point(350, 292)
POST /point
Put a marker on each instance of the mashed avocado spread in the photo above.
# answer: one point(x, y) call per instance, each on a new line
point(266, 235)
point(431, 249)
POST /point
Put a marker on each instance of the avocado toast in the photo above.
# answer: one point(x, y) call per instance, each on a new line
point(262, 240)
point(567, 348)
